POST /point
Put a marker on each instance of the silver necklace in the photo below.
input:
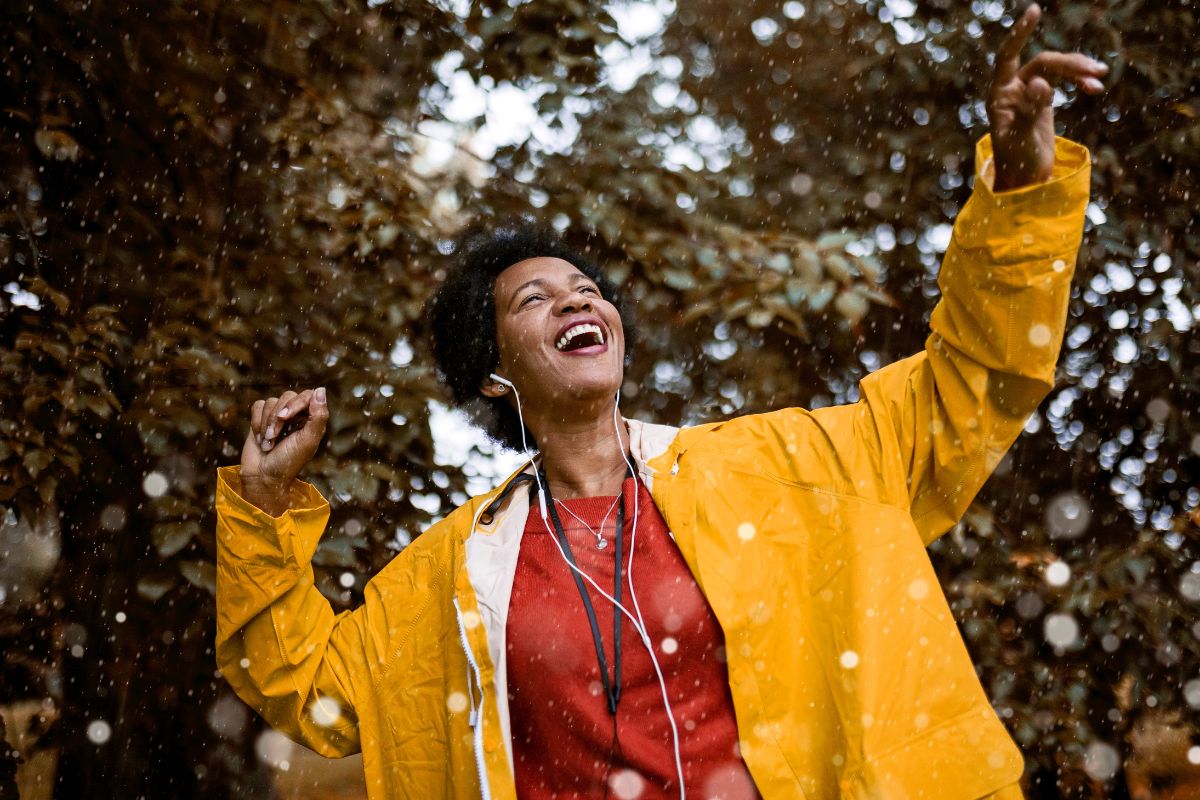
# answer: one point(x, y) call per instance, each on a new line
point(601, 542)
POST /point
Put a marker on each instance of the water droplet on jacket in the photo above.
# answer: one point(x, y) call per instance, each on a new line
point(325, 711)
point(456, 702)
point(1039, 335)
point(626, 784)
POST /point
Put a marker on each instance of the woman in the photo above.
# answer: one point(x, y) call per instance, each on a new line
point(728, 610)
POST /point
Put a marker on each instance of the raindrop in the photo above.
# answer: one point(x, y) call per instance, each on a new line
point(1189, 586)
point(1168, 654)
point(1101, 761)
point(346, 579)
point(1029, 605)
point(1191, 692)
point(1194, 754)
point(273, 748)
point(627, 784)
point(746, 531)
point(325, 711)
point(669, 645)
point(228, 717)
point(99, 731)
point(1067, 515)
point(1058, 573)
point(1158, 410)
point(337, 196)
point(155, 484)
point(113, 518)
point(1061, 630)
point(849, 659)
point(456, 702)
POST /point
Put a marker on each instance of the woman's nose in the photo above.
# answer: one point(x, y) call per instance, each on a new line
point(572, 302)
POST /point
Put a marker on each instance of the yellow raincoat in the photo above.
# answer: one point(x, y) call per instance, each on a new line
point(805, 530)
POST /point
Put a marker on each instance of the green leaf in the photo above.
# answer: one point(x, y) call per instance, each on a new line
point(37, 460)
point(153, 586)
point(201, 574)
point(171, 537)
point(678, 279)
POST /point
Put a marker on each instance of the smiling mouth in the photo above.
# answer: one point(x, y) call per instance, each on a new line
point(577, 337)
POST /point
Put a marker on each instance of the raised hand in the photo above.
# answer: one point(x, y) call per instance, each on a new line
point(1019, 104)
point(272, 460)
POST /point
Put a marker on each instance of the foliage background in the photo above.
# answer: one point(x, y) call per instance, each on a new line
point(206, 202)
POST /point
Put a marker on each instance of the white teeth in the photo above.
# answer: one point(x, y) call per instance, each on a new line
point(579, 330)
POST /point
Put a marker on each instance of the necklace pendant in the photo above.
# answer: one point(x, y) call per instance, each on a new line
point(601, 544)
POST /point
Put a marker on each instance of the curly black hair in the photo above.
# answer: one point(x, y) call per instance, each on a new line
point(460, 317)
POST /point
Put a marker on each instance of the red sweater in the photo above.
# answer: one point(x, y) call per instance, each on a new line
point(563, 736)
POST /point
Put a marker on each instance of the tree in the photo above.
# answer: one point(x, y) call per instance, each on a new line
point(208, 202)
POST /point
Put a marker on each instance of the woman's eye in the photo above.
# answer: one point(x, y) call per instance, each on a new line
point(525, 302)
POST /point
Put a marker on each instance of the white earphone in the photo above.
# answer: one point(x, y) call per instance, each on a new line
point(525, 444)
point(635, 617)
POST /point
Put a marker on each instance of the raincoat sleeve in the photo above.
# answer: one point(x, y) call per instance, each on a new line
point(279, 644)
point(946, 416)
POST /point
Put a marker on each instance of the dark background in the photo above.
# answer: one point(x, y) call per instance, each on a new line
point(207, 202)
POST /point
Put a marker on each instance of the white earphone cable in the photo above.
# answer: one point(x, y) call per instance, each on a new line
point(638, 621)
point(633, 596)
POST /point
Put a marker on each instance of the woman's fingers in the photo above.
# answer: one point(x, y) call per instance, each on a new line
point(289, 409)
point(1038, 95)
point(1008, 56)
point(1075, 67)
point(318, 408)
point(270, 416)
point(256, 420)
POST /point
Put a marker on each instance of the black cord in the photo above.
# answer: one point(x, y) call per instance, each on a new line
point(612, 688)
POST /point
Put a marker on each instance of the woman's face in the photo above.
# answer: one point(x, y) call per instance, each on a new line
point(560, 342)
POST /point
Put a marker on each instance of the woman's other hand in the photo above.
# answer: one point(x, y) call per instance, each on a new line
point(1020, 104)
point(271, 459)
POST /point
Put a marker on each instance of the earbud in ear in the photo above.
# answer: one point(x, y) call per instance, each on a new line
point(502, 381)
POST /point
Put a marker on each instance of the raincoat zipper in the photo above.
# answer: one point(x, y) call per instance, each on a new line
point(485, 790)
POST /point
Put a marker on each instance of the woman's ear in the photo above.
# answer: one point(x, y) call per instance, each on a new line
point(492, 388)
